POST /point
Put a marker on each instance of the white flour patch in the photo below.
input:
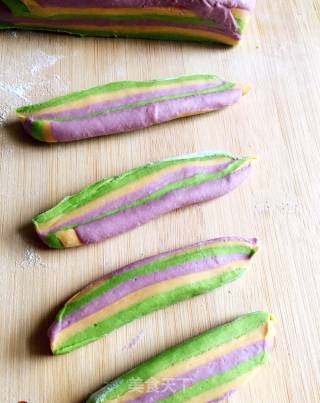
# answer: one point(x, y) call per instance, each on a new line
point(31, 260)
point(134, 341)
point(42, 61)
point(282, 203)
point(29, 82)
point(4, 112)
point(12, 34)
point(18, 91)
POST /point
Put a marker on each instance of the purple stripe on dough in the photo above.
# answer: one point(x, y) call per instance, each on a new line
point(203, 7)
point(150, 259)
point(131, 218)
point(142, 117)
point(209, 370)
point(130, 286)
point(143, 192)
point(150, 92)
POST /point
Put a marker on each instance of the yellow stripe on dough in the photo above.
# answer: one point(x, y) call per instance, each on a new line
point(69, 238)
point(38, 10)
point(47, 132)
point(240, 13)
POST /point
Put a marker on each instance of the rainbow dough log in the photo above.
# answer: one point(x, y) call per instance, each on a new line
point(120, 203)
point(148, 285)
point(127, 105)
point(211, 21)
point(207, 368)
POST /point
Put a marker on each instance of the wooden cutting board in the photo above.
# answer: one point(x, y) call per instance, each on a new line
point(279, 121)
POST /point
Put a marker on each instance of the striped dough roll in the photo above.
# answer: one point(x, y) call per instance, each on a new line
point(211, 21)
point(120, 203)
point(148, 285)
point(125, 106)
point(205, 369)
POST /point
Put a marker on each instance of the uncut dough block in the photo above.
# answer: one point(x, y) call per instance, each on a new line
point(148, 285)
point(207, 368)
point(211, 21)
point(118, 204)
point(126, 105)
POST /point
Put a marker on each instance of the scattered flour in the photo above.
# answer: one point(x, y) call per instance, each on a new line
point(4, 112)
point(31, 259)
point(18, 90)
point(134, 341)
point(29, 82)
point(42, 61)
point(13, 34)
point(283, 203)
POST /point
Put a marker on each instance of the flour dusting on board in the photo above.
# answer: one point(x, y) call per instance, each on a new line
point(134, 341)
point(31, 260)
point(31, 81)
point(18, 90)
point(4, 112)
point(42, 61)
point(281, 203)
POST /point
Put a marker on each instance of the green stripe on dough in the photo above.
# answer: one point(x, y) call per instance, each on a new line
point(37, 130)
point(17, 8)
point(53, 241)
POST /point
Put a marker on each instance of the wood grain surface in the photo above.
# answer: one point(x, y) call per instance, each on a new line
point(279, 120)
